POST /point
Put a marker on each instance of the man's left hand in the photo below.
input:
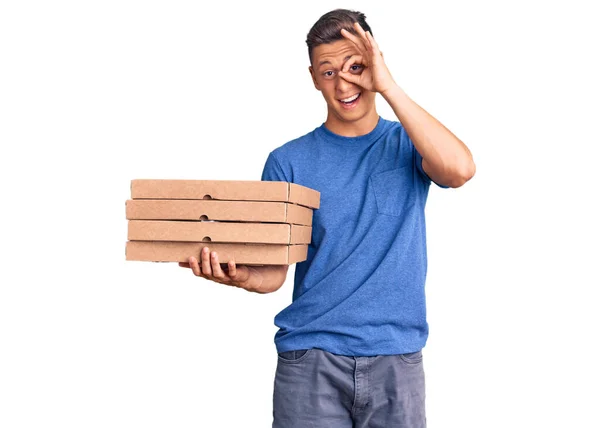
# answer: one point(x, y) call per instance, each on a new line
point(375, 76)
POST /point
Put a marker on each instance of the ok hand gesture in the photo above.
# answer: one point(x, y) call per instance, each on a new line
point(375, 76)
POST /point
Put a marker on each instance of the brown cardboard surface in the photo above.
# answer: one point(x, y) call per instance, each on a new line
point(304, 196)
point(213, 231)
point(298, 214)
point(250, 211)
point(276, 191)
point(249, 254)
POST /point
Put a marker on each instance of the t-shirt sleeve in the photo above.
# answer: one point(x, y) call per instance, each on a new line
point(419, 165)
point(272, 170)
point(408, 146)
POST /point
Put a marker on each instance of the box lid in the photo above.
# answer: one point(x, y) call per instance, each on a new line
point(279, 191)
point(242, 211)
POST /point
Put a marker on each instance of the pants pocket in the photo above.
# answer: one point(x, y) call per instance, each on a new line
point(291, 357)
point(412, 357)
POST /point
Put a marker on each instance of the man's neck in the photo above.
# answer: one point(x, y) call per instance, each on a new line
point(352, 129)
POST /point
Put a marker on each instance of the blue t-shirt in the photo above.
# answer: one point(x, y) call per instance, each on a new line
point(361, 291)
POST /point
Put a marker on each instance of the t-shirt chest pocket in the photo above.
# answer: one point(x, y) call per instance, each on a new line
point(394, 190)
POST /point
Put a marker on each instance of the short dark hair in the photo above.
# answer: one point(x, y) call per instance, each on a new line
point(328, 28)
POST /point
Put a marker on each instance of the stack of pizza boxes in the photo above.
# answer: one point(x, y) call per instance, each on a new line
point(253, 222)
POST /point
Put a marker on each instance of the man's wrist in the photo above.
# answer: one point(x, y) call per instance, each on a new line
point(393, 92)
point(254, 282)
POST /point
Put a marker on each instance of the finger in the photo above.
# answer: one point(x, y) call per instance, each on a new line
point(373, 43)
point(206, 270)
point(238, 275)
point(368, 43)
point(184, 264)
point(216, 267)
point(232, 269)
point(195, 266)
point(354, 59)
point(349, 77)
point(354, 39)
point(363, 35)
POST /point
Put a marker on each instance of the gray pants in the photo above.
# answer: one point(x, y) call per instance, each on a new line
point(317, 389)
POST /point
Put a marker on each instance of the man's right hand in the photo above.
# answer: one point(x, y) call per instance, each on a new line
point(241, 276)
point(258, 279)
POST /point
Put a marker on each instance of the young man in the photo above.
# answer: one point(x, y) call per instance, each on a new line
point(349, 345)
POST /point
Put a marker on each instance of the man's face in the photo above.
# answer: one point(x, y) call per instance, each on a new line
point(328, 60)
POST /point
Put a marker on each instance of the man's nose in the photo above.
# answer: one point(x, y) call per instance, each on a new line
point(342, 85)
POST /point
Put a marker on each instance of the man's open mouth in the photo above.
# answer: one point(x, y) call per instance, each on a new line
point(350, 101)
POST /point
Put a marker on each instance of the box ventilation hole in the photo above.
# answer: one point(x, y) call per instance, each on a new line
point(203, 217)
point(206, 239)
point(207, 197)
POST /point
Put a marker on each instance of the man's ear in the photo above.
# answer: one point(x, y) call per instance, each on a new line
point(312, 74)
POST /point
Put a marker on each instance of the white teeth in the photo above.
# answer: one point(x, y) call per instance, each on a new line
point(347, 100)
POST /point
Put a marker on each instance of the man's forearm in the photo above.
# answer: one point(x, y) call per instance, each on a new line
point(446, 159)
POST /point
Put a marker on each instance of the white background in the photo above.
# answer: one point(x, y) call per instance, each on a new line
point(94, 94)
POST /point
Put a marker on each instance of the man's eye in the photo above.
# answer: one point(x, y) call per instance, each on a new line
point(328, 73)
point(356, 67)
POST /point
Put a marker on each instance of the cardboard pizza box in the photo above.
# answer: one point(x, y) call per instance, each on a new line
point(275, 191)
point(241, 211)
point(213, 231)
point(247, 254)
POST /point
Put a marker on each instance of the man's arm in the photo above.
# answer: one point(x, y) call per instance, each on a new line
point(446, 159)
